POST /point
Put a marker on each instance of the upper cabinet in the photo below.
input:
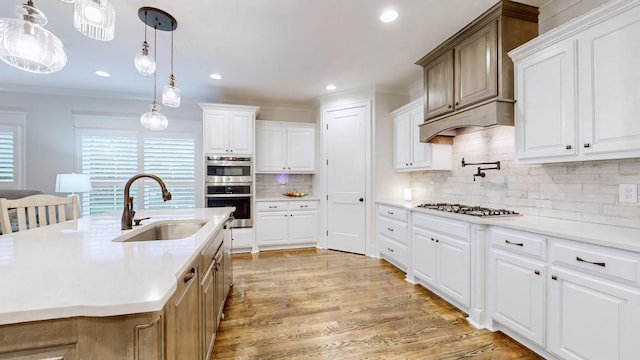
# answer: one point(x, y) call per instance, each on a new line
point(577, 90)
point(228, 129)
point(409, 153)
point(468, 79)
point(285, 147)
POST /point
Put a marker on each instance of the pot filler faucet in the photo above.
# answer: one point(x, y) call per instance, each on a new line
point(129, 213)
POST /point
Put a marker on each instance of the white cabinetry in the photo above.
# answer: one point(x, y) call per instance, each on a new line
point(286, 224)
point(442, 257)
point(594, 302)
point(285, 147)
point(228, 129)
point(576, 89)
point(517, 280)
point(409, 153)
point(392, 230)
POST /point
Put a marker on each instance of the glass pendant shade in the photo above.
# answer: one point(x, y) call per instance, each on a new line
point(154, 120)
point(95, 19)
point(171, 94)
point(144, 63)
point(26, 45)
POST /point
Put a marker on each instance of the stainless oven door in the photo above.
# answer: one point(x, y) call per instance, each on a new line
point(242, 203)
point(228, 170)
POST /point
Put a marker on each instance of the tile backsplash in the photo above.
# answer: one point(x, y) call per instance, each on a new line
point(584, 191)
point(273, 185)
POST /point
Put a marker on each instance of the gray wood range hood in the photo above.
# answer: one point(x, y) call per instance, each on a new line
point(468, 79)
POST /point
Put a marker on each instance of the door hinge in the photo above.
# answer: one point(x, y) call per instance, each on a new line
point(327, 162)
point(327, 197)
point(327, 232)
point(327, 126)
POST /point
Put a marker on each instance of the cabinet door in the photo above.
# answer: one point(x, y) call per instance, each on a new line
point(183, 323)
point(424, 255)
point(402, 146)
point(216, 132)
point(476, 67)
point(303, 227)
point(517, 295)
point(545, 111)
point(454, 268)
point(590, 318)
point(272, 228)
point(421, 152)
point(208, 311)
point(301, 150)
point(609, 85)
point(241, 132)
point(438, 86)
point(271, 148)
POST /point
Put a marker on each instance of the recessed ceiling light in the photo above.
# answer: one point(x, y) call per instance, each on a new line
point(103, 73)
point(331, 87)
point(215, 76)
point(388, 16)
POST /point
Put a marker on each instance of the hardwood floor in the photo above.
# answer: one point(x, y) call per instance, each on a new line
point(323, 304)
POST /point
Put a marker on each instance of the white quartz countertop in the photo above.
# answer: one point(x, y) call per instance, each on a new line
point(607, 235)
point(288, 198)
point(75, 269)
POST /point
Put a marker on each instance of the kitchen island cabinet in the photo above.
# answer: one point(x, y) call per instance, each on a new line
point(101, 298)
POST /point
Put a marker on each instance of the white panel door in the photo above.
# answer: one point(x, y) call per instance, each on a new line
point(303, 227)
point(402, 148)
point(424, 256)
point(609, 54)
point(454, 268)
point(271, 227)
point(216, 132)
point(421, 152)
point(241, 132)
point(346, 179)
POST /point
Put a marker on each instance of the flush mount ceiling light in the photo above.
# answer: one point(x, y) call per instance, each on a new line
point(388, 16)
point(159, 20)
point(25, 44)
point(331, 87)
point(215, 76)
point(95, 19)
point(103, 73)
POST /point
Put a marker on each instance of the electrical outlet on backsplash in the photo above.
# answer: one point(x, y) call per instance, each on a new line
point(274, 185)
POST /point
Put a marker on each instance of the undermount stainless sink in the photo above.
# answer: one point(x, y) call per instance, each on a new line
point(164, 230)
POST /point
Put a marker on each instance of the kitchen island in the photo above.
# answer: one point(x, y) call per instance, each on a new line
point(70, 290)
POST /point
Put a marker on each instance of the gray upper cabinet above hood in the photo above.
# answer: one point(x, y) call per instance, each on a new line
point(468, 79)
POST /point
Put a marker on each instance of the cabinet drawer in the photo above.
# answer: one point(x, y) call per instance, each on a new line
point(392, 212)
point(614, 263)
point(394, 252)
point(442, 225)
point(271, 205)
point(519, 242)
point(394, 229)
point(303, 205)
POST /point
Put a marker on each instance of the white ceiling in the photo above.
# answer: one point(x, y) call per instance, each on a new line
point(268, 51)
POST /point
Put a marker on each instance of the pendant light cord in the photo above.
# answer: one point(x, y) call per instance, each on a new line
point(155, 56)
point(172, 48)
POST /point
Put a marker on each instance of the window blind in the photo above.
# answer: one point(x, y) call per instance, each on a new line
point(7, 158)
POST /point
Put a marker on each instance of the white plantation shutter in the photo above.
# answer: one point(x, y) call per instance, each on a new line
point(7, 159)
point(111, 160)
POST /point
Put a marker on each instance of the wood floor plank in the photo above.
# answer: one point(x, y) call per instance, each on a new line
point(323, 304)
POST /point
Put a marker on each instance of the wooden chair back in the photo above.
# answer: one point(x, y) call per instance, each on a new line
point(36, 211)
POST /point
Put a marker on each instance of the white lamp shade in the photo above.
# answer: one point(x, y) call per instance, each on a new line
point(73, 183)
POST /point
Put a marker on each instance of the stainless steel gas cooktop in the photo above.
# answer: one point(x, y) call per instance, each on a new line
point(468, 210)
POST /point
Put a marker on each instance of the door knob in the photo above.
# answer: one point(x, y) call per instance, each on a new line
point(361, 199)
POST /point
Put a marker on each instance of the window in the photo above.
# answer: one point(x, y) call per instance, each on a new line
point(11, 149)
point(112, 157)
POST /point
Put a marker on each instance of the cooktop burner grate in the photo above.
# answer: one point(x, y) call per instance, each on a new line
point(468, 210)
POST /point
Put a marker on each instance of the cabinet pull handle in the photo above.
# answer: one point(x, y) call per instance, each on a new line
point(553, 277)
point(437, 240)
point(390, 249)
point(587, 145)
point(273, 206)
point(513, 243)
point(603, 264)
point(432, 239)
point(537, 272)
point(569, 147)
point(190, 275)
point(304, 206)
point(450, 106)
point(390, 212)
point(457, 103)
point(390, 229)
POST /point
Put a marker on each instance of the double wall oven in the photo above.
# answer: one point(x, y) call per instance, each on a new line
point(229, 182)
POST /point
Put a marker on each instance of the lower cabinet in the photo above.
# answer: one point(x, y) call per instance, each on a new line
point(442, 257)
point(183, 328)
point(392, 235)
point(284, 224)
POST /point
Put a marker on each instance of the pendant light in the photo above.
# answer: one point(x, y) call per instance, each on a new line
point(143, 62)
point(154, 120)
point(25, 44)
point(95, 19)
point(170, 93)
